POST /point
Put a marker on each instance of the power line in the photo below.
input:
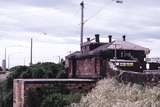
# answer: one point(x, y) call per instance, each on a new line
point(100, 10)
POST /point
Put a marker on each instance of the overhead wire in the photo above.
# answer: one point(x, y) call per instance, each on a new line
point(99, 11)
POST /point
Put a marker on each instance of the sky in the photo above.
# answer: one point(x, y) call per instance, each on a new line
point(54, 26)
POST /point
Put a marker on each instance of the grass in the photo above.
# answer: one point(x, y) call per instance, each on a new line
point(110, 93)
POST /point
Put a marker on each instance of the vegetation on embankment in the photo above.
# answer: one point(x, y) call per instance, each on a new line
point(107, 93)
point(110, 93)
point(47, 97)
point(51, 97)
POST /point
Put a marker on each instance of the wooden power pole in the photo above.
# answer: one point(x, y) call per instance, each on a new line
point(31, 52)
point(82, 22)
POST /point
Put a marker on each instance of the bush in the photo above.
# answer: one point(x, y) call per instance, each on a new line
point(61, 100)
point(7, 100)
point(40, 70)
point(51, 97)
point(110, 93)
point(34, 98)
point(54, 100)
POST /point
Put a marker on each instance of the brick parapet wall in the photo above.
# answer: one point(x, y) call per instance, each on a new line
point(21, 86)
point(18, 88)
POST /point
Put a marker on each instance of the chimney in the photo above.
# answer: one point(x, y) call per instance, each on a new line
point(124, 37)
point(110, 38)
point(97, 38)
point(88, 39)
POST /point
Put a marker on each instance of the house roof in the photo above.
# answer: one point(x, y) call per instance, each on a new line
point(76, 53)
point(121, 45)
point(93, 43)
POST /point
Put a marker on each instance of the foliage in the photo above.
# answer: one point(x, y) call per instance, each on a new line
point(110, 93)
point(33, 98)
point(40, 70)
point(6, 97)
point(51, 97)
point(54, 100)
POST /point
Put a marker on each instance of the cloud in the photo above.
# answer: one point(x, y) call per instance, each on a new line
point(56, 23)
point(152, 44)
point(126, 19)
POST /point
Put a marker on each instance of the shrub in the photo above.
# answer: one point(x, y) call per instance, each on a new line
point(40, 70)
point(61, 100)
point(7, 100)
point(54, 100)
point(51, 97)
point(110, 93)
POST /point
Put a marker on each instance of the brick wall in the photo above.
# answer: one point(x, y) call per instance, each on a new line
point(18, 95)
point(86, 67)
point(21, 86)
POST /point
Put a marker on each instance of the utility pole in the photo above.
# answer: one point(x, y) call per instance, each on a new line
point(8, 61)
point(59, 59)
point(31, 52)
point(5, 54)
point(82, 22)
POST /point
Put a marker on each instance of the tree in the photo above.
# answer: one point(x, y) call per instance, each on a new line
point(40, 70)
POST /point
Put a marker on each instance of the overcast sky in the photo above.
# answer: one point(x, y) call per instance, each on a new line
point(54, 26)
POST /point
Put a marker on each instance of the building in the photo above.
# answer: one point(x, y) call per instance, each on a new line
point(4, 65)
point(93, 59)
point(153, 63)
